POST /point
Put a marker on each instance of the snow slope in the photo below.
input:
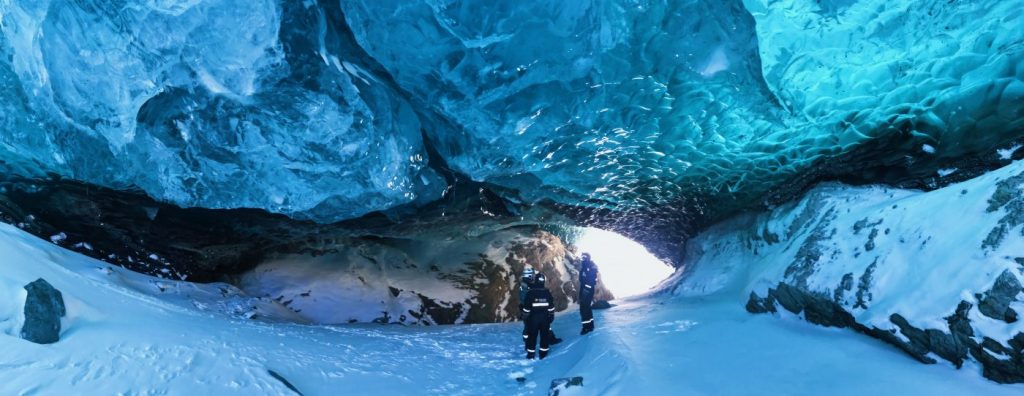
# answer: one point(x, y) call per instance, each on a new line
point(123, 335)
point(895, 261)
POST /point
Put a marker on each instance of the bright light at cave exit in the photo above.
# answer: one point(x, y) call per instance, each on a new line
point(626, 267)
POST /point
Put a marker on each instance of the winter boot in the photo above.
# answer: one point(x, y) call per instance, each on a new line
point(554, 338)
point(529, 355)
point(543, 353)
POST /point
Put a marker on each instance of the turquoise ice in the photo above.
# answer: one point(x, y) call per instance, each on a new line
point(326, 110)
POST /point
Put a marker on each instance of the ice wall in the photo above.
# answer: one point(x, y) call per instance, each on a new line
point(217, 103)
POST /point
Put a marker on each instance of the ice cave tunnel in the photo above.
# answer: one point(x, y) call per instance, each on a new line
point(340, 196)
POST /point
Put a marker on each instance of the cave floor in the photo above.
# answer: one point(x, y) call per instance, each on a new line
point(133, 334)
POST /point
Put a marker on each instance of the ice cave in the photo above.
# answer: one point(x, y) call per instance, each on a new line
point(387, 197)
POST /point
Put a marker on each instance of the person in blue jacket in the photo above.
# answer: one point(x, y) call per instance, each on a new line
point(588, 282)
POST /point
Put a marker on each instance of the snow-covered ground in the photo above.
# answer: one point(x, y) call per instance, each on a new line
point(127, 333)
point(894, 261)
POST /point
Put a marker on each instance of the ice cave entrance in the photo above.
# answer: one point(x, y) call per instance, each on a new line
point(627, 268)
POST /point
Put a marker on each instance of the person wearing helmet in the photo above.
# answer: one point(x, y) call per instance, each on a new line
point(524, 286)
point(538, 313)
point(588, 282)
point(525, 282)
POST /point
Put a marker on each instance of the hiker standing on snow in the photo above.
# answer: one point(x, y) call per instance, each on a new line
point(524, 286)
point(538, 313)
point(525, 282)
point(588, 281)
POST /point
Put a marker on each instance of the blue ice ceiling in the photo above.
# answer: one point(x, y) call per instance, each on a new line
point(330, 110)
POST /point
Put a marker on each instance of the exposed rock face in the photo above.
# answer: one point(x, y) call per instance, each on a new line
point(134, 231)
point(415, 281)
point(44, 306)
point(896, 265)
point(996, 302)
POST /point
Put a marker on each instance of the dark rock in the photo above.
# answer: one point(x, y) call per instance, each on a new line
point(758, 305)
point(560, 384)
point(915, 351)
point(870, 244)
point(864, 286)
point(283, 381)
point(1017, 343)
point(1005, 369)
point(441, 313)
point(955, 343)
point(995, 346)
point(864, 223)
point(124, 227)
point(1008, 198)
point(845, 285)
point(44, 306)
point(601, 304)
point(817, 309)
point(995, 303)
point(813, 248)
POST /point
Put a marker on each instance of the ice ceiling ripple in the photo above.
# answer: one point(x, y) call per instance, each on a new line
point(320, 110)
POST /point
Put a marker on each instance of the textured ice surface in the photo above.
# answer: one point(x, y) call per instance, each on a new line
point(949, 71)
point(217, 103)
point(318, 109)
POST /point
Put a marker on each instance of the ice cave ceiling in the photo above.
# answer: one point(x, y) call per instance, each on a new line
point(650, 117)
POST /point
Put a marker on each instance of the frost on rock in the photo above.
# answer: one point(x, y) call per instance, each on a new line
point(894, 264)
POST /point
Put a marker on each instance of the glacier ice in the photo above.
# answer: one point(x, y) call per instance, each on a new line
point(214, 103)
point(327, 110)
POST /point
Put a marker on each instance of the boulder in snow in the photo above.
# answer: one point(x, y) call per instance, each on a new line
point(996, 302)
point(44, 307)
point(561, 386)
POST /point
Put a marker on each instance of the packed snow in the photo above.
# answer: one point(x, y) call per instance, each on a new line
point(127, 333)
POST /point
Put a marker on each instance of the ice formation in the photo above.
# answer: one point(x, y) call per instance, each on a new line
point(325, 110)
